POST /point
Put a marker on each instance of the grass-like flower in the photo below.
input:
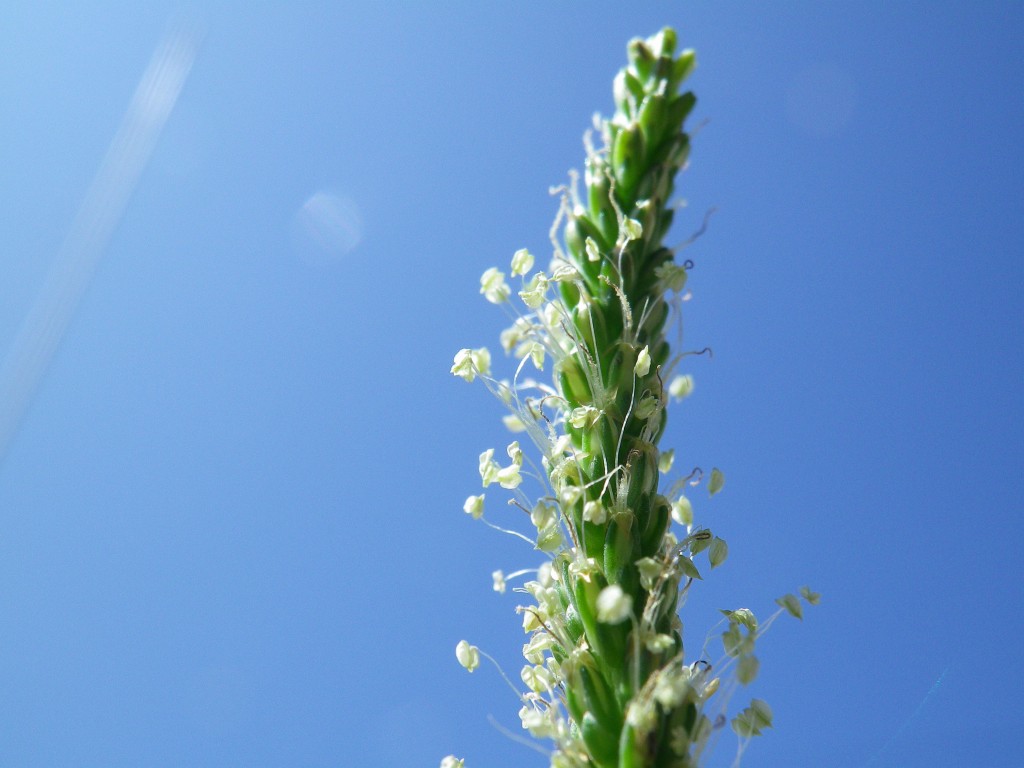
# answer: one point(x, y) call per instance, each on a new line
point(606, 680)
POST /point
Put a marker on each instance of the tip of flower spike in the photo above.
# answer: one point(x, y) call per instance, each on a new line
point(664, 41)
point(683, 67)
point(641, 56)
point(452, 762)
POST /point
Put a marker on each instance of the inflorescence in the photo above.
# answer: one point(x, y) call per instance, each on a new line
point(605, 676)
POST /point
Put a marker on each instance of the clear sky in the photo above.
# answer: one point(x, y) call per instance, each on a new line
point(230, 521)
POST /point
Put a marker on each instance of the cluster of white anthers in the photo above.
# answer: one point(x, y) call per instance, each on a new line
point(537, 409)
point(540, 412)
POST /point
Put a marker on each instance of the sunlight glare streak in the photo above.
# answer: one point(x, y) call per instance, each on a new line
point(94, 223)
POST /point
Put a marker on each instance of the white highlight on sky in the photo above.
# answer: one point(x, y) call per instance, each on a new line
point(327, 227)
point(94, 223)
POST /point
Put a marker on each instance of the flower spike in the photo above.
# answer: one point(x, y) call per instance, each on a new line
point(606, 681)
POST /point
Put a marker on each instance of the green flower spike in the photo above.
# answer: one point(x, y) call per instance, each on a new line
point(606, 680)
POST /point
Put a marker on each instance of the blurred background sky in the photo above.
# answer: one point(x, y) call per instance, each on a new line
point(230, 522)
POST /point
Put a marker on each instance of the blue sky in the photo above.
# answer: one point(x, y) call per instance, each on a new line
point(230, 520)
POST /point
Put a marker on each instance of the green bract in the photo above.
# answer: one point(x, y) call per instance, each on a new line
point(606, 680)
